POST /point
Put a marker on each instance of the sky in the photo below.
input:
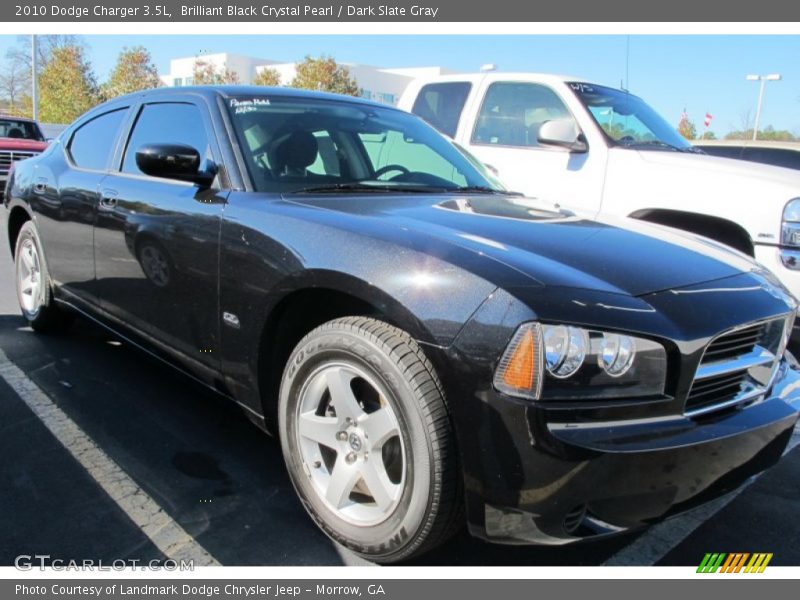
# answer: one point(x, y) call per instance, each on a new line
point(698, 73)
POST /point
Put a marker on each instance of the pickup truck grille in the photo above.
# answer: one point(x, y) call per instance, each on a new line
point(737, 366)
point(7, 157)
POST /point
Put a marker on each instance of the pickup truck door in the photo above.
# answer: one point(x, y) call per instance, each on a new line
point(500, 127)
point(157, 241)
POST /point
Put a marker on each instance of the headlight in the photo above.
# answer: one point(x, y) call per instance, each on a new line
point(560, 362)
point(790, 227)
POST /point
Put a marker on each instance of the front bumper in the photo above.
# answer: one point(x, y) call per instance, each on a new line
point(556, 483)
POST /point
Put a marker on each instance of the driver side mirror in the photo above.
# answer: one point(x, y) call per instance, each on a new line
point(173, 161)
point(563, 133)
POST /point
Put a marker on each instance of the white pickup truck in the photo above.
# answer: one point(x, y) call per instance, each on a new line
point(594, 149)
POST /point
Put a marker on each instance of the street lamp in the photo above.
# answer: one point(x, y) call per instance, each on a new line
point(763, 79)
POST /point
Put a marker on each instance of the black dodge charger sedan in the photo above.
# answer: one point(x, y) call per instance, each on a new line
point(430, 348)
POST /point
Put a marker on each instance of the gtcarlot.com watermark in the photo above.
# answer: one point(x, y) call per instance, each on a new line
point(28, 562)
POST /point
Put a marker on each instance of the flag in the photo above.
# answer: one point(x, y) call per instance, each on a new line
point(707, 122)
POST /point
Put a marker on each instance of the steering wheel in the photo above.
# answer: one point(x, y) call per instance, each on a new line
point(389, 168)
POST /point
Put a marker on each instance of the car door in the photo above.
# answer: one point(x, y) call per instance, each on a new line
point(504, 134)
point(65, 197)
point(157, 240)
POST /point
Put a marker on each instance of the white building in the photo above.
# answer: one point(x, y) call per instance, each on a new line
point(378, 84)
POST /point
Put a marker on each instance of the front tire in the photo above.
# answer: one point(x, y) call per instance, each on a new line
point(367, 440)
point(34, 287)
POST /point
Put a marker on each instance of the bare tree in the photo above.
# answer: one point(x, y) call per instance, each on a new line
point(14, 81)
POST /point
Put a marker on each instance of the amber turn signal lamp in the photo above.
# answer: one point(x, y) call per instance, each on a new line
point(519, 371)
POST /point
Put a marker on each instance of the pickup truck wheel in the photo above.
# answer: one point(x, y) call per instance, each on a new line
point(367, 439)
point(34, 288)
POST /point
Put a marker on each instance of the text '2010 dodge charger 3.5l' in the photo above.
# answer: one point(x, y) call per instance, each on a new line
point(429, 347)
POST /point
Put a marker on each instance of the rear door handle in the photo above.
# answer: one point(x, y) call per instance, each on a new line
point(108, 199)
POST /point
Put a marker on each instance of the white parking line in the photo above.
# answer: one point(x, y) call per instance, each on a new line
point(158, 526)
point(659, 539)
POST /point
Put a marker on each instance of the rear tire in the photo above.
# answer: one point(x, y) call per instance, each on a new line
point(368, 441)
point(34, 287)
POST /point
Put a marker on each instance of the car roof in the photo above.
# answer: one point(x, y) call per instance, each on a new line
point(16, 118)
point(230, 91)
point(505, 76)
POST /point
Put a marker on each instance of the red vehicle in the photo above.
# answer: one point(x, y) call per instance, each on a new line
point(20, 138)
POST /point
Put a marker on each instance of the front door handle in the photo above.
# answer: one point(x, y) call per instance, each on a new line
point(108, 199)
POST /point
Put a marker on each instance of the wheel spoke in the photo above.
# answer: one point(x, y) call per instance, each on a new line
point(27, 258)
point(319, 429)
point(27, 285)
point(380, 487)
point(379, 426)
point(342, 481)
point(342, 397)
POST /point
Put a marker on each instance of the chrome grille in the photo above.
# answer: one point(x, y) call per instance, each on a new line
point(7, 157)
point(737, 366)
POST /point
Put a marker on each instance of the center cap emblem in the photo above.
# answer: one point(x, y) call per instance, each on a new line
point(355, 442)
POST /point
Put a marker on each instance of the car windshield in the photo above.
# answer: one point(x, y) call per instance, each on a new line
point(293, 144)
point(24, 130)
point(627, 120)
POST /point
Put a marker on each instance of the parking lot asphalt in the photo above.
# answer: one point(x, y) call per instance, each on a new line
point(223, 481)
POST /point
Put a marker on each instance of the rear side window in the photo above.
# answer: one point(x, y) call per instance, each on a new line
point(93, 142)
point(166, 123)
point(440, 104)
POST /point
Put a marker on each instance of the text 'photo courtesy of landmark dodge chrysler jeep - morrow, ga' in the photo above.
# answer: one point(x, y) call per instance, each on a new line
point(597, 150)
point(430, 349)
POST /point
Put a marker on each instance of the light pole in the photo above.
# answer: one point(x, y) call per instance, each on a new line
point(34, 81)
point(763, 79)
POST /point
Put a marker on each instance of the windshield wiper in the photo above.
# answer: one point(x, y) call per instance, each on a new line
point(659, 144)
point(335, 188)
point(483, 189)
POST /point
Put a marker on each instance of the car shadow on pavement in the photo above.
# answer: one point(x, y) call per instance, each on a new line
point(197, 455)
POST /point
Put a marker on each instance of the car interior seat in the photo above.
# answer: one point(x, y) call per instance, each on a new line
point(295, 154)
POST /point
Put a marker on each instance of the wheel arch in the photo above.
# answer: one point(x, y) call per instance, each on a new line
point(306, 303)
point(17, 217)
point(720, 229)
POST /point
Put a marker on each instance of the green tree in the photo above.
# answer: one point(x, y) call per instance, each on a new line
point(267, 76)
point(326, 75)
point(708, 135)
point(686, 128)
point(205, 73)
point(134, 71)
point(67, 86)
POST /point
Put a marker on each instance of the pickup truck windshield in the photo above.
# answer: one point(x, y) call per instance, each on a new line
point(293, 144)
point(18, 129)
point(627, 120)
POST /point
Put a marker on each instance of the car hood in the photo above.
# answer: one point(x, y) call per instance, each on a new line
point(7, 143)
point(543, 248)
point(726, 169)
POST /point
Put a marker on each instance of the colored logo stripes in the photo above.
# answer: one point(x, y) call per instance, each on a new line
point(735, 562)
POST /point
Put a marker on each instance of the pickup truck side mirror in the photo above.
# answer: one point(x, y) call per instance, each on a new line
point(173, 161)
point(564, 133)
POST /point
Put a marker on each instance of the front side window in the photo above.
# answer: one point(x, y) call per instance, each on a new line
point(627, 120)
point(166, 123)
point(17, 129)
point(513, 112)
point(93, 142)
point(441, 104)
point(295, 144)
